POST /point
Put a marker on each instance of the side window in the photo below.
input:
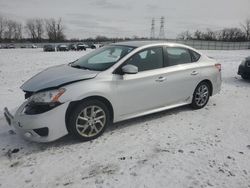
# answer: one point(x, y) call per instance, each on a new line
point(177, 56)
point(149, 59)
point(195, 56)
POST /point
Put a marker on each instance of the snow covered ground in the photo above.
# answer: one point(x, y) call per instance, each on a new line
point(175, 148)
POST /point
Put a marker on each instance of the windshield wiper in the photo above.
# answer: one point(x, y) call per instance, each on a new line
point(71, 63)
point(75, 66)
point(79, 67)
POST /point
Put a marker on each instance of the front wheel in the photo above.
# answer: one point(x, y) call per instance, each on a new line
point(88, 120)
point(245, 77)
point(201, 95)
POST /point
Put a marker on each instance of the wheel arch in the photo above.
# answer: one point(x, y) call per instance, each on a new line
point(95, 97)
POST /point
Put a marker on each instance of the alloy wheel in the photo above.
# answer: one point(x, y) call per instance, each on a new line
point(202, 95)
point(90, 121)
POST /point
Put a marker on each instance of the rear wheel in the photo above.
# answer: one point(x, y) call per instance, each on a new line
point(201, 95)
point(88, 120)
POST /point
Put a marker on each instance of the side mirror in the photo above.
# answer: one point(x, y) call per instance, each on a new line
point(130, 69)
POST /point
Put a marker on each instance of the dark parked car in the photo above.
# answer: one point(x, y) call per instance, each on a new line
point(81, 46)
point(72, 47)
point(101, 45)
point(11, 46)
point(5, 46)
point(244, 68)
point(49, 48)
point(62, 47)
point(92, 46)
point(33, 46)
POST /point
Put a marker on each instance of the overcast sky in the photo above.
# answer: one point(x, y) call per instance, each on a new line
point(88, 18)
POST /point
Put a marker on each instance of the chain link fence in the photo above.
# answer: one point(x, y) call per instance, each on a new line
point(214, 45)
point(197, 44)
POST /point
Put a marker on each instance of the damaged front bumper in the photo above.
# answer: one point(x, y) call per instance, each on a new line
point(44, 127)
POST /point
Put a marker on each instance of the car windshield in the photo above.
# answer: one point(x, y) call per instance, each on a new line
point(102, 58)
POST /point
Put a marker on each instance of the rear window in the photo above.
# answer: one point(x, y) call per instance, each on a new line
point(177, 56)
point(195, 56)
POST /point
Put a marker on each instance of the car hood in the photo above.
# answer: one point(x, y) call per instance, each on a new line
point(55, 77)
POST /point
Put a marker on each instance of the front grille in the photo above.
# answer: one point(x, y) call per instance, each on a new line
point(42, 131)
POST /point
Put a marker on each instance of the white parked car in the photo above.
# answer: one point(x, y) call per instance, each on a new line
point(113, 83)
point(33, 46)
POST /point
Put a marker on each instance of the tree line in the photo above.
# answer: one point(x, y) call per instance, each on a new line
point(234, 34)
point(36, 30)
point(53, 30)
point(45, 30)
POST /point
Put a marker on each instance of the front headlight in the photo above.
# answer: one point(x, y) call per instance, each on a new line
point(51, 96)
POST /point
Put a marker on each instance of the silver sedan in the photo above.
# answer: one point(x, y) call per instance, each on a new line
point(111, 84)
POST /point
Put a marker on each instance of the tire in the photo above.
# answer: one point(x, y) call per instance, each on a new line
point(85, 125)
point(201, 95)
point(245, 77)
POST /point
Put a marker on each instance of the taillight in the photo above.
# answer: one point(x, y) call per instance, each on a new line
point(218, 66)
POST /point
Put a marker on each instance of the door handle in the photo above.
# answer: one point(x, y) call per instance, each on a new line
point(160, 79)
point(194, 73)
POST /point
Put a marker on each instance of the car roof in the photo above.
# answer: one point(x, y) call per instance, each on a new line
point(145, 43)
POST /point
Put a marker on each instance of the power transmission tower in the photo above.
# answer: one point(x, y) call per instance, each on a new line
point(162, 31)
point(152, 34)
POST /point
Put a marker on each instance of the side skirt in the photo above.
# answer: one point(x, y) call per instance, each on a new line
point(130, 116)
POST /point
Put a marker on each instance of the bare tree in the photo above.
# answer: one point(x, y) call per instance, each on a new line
point(100, 38)
point(13, 30)
point(198, 35)
point(232, 34)
point(186, 35)
point(2, 27)
point(30, 28)
point(39, 28)
point(17, 31)
point(55, 30)
point(246, 28)
point(209, 35)
point(35, 29)
point(9, 31)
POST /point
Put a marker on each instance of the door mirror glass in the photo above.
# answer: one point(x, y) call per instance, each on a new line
point(129, 69)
